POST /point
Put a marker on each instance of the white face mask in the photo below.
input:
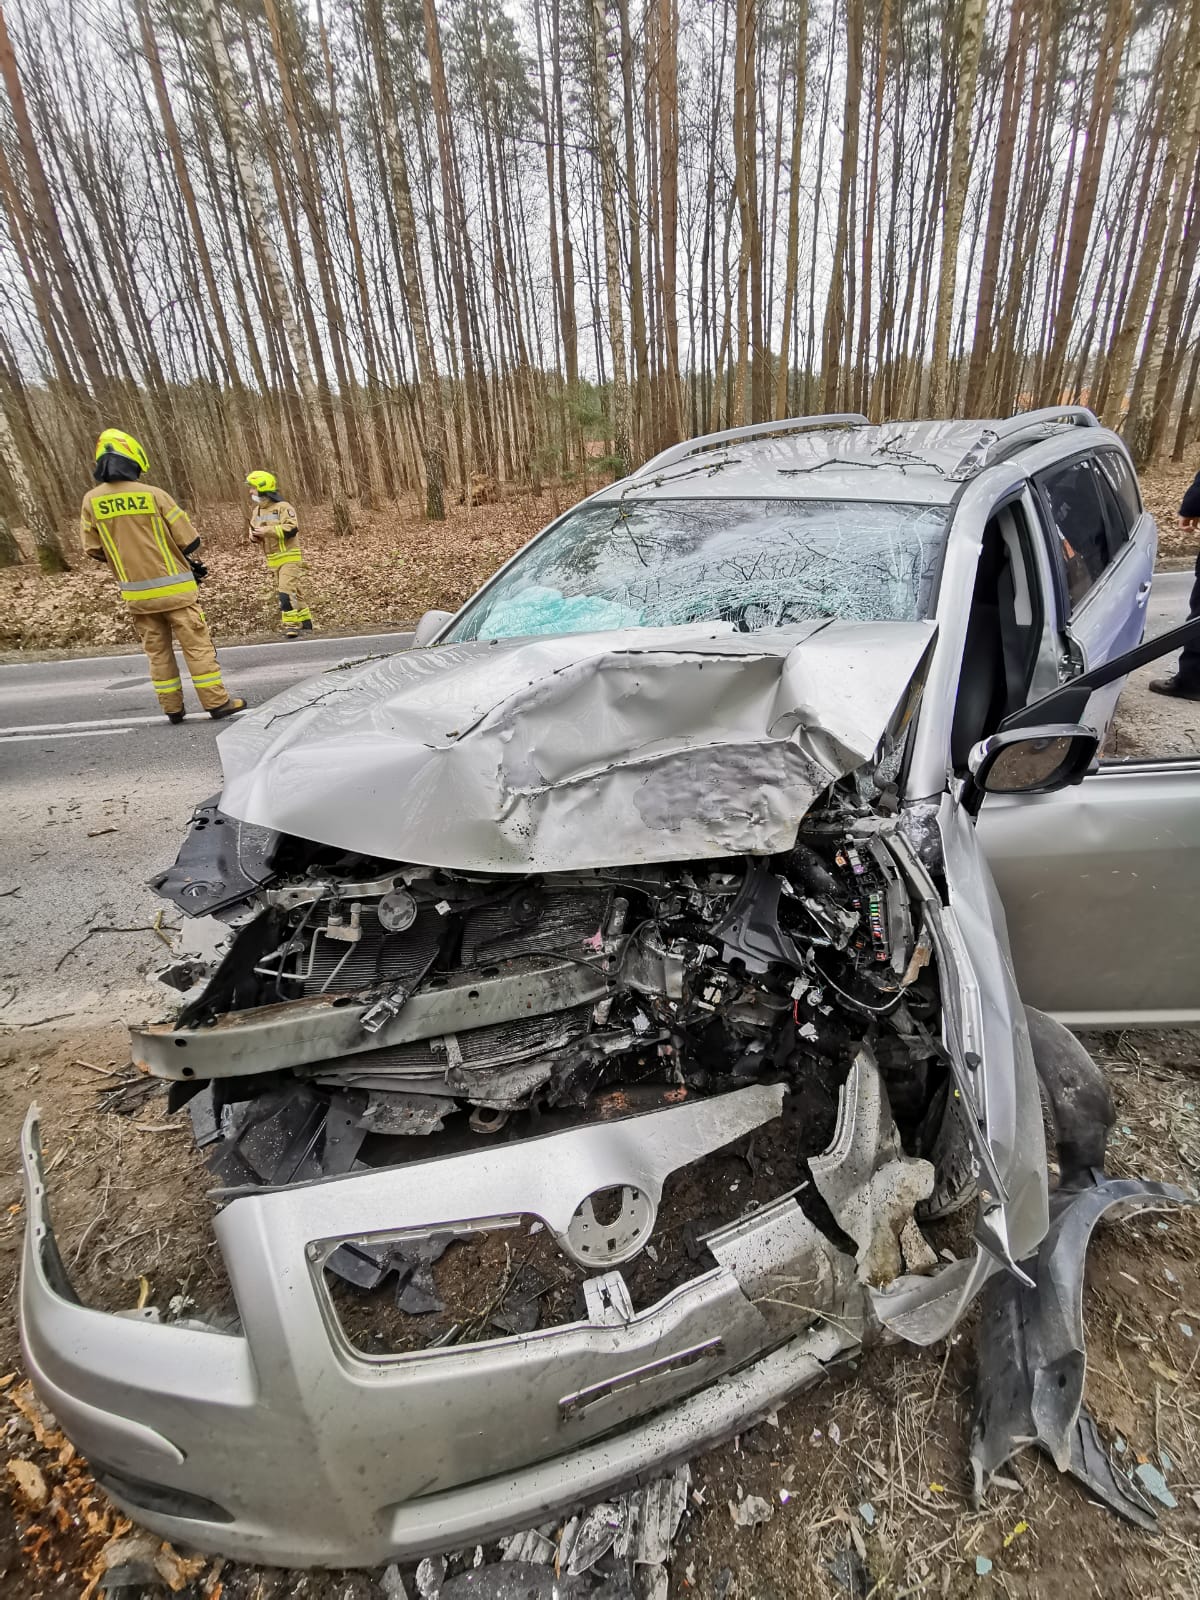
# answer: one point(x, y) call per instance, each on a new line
point(255, 496)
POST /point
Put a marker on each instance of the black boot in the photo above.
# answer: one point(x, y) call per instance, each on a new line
point(1175, 687)
point(230, 709)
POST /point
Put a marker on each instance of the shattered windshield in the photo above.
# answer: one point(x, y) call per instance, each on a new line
point(749, 563)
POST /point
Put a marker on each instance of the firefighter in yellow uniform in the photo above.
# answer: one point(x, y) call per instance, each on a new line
point(147, 541)
point(274, 525)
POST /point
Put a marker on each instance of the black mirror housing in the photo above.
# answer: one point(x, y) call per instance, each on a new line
point(1030, 761)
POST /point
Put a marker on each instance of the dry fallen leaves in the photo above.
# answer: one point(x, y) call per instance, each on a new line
point(30, 1484)
point(67, 1518)
point(393, 567)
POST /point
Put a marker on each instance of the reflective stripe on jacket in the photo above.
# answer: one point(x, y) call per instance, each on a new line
point(276, 527)
point(142, 535)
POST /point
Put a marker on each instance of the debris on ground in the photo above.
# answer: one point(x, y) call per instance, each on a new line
point(1153, 1481)
point(30, 1484)
point(748, 1513)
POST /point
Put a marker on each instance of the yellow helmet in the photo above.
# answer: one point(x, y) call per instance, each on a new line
point(115, 441)
point(261, 482)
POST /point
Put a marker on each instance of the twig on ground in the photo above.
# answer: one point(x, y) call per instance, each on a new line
point(105, 1072)
point(96, 1220)
point(119, 1244)
point(141, 927)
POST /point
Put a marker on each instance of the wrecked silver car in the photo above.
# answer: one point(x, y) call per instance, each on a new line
point(603, 1023)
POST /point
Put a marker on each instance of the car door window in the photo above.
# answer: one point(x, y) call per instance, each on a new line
point(1118, 526)
point(1071, 495)
point(1117, 480)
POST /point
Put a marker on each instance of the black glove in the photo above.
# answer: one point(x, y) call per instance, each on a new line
point(199, 570)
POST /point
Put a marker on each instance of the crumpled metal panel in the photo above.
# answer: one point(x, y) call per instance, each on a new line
point(579, 751)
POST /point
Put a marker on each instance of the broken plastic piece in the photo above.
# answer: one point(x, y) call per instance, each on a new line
point(595, 1537)
point(431, 1574)
point(531, 1547)
point(1154, 1483)
point(1031, 1356)
point(869, 1184)
point(748, 1513)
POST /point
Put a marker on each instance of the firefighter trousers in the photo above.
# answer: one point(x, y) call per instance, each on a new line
point(159, 632)
point(291, 581)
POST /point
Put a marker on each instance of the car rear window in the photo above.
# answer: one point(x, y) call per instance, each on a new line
point(1073, 498)
point(749, 563)
point(1117, 473)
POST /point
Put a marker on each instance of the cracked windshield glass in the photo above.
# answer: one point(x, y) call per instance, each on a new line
point(747, 563)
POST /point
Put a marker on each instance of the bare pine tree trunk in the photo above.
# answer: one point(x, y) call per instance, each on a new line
point(1011, 108)
point(743, 166)
point(256, 206)
point(668, 98)
point(835, 306)
point(799, 74)
point(942, 389)
point(619, 410)
point(33, 506)
point(1112, 46)
point(1129, 335)
point(432, 417)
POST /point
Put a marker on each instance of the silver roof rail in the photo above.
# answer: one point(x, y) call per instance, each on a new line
point(1013, 427)
point(754, 430)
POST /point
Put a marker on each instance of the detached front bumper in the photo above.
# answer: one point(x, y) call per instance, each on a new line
point(282, 1444)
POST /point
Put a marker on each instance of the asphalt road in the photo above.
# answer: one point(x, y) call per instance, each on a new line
point(97, 788)
point(1167, 606)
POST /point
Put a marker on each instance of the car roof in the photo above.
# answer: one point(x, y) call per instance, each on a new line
point(921, 463)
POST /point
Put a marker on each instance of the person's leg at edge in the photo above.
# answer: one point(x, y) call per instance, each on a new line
point(153, 629)
point(1189, 657)
point(191, 630)
point(1184, 683)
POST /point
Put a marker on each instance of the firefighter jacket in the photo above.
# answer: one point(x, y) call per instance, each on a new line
point(275, 525)
point(142, 535)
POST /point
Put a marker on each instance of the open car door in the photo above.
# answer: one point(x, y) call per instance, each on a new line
point(1101, 890)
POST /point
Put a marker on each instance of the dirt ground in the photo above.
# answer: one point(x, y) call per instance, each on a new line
point(392, 569)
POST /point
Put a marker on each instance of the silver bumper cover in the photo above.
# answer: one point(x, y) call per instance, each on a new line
point(282, 1444)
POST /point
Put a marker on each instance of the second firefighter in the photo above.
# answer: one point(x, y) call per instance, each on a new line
point(274, 525)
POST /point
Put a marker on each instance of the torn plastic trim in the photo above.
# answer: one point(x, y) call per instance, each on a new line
point(221, 862)
point(1033, 1361)
point(322, 1457)
point(299, 1033)
point(869, 1184)
point(966, 1054)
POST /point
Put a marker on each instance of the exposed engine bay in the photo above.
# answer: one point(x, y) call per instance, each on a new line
point(658, 983)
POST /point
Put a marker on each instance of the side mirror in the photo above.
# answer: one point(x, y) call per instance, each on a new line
point(1029, 761)
point(430, 625)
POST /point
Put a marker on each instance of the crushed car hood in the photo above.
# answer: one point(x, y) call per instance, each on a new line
point(585, 750)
